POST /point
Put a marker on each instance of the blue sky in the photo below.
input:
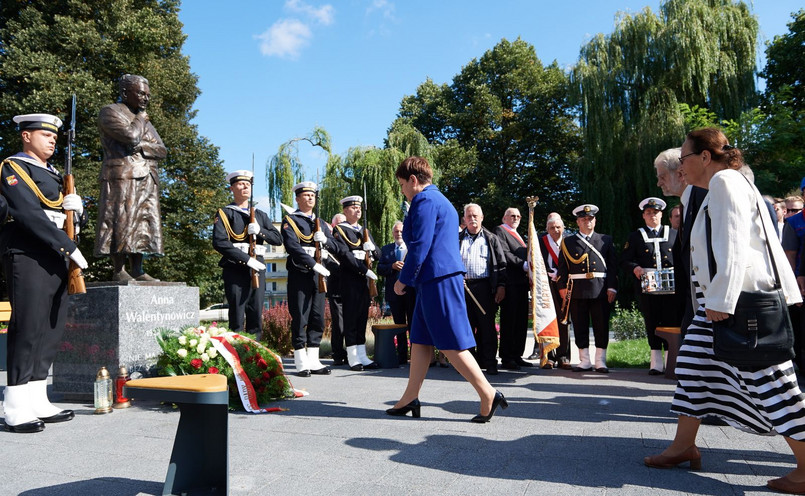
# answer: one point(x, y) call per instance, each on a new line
point(271, 70)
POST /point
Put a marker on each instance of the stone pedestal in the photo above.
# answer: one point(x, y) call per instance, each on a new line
point(116, 324)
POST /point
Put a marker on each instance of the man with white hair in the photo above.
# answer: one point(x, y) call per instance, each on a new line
point(484, 282)
point(672, 183)
point(550, 247)
point(513, 308)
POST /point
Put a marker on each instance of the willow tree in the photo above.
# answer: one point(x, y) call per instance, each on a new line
point(284, 169)
point(630, 83)
point(370, 170)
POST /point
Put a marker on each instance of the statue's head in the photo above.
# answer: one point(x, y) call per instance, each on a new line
point(135, 92)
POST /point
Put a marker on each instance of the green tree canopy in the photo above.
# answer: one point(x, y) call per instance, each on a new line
point(503, 130)
point(52, 49)
point(630, 84)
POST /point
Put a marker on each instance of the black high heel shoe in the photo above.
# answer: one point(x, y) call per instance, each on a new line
point(412, 407)
point(498, 400)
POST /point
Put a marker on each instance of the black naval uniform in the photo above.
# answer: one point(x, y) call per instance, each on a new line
point(354, 283)
point(35, 261)
point(230, 238)
point(305, 303)
point(336, 312)
point(592, 275)
point(639, 251)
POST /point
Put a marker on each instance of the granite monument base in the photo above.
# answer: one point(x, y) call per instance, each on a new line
point(114, 324)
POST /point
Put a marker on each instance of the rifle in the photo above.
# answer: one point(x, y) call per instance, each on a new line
point(75, 279)
point(371, 282)
point(322, 279)
point(253, 237)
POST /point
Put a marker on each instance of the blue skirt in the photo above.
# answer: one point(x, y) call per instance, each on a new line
point(440, 315)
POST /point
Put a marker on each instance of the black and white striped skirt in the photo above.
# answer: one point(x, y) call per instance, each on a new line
point(764, 401)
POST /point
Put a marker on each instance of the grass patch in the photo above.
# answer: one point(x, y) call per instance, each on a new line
point(629, 354)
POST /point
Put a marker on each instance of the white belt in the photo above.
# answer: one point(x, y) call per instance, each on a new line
point(359, 254)
point(55, 217)
point(259, 250)
point(310, 250)
point(588, 275)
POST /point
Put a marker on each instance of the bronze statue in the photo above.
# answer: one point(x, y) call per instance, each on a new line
point(128, 213)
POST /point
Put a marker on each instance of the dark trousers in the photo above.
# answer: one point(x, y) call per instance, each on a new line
point(563, 350)
point(513, 322)
point(37, 291)
point(355, 295)
point(657, 311)
point(483, 326)
point(797, 323)
point(402, 310)
point(584, 311)
point(306, 306)
point(245, 301)
point(337, 327)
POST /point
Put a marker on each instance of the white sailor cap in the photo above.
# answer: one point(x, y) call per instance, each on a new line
point(351, 200)
point(652, 202)
point(239, 175)
point(305, 187)
point(45, 122)
point(586, 210)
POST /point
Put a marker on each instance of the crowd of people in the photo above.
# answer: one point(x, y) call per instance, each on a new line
point(446, 284)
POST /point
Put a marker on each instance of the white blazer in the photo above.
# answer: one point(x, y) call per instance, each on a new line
point(739, 245)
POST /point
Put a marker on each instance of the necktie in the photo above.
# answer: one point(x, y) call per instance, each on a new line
point(397, 253)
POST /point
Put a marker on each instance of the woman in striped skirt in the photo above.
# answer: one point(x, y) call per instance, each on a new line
point(763, 401)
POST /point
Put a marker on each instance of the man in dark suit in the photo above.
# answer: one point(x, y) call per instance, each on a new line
point(649, 249)
point(513, 308)
point(670, 180)
point(392, 260)
point(589, 263)
point(550, 247)
point(485, 282)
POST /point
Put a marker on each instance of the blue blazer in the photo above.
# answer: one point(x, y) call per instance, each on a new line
point(387, 259)
point(430, 232)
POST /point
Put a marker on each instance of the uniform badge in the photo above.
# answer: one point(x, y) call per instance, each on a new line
point(11, 180)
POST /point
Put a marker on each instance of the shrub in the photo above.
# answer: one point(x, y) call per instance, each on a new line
point(277, 328)
point(627, 324)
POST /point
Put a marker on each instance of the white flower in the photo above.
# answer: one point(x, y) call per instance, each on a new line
point(201, 348)
point(183, 340)
point(212, 352)
point(193, 342)
point(205, 357)
point(214, 331)
point(201, 328)
point(181, 352)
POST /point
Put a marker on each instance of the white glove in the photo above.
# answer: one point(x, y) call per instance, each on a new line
point(79, 259)
point(254, 228)
point(255, 264)
point(319, 237)
point(368, 246)
point(321, 269)
point(73, 203)
point(371, 275)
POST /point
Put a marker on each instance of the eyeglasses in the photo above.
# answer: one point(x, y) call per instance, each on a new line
point(683, 157)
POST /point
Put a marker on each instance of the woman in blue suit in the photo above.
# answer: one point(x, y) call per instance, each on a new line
point(434, 267)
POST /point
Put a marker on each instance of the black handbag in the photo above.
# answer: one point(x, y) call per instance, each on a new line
point(759, 334)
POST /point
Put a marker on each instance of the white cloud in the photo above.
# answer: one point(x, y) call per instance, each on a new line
point(385, 8)
point(285, 39)
point(324, 14)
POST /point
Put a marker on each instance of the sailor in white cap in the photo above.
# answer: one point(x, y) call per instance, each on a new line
point(355, 246)
point(232, 232)
point(302, 231)
point(35, 257)
point(588, 270)
point(648, 249)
